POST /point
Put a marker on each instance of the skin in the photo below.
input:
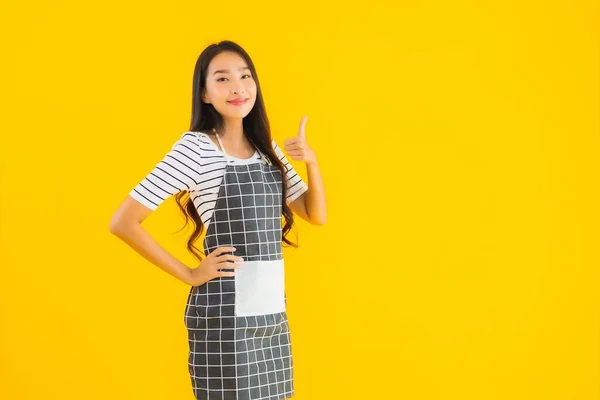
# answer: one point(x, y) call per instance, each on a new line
point(236, 82)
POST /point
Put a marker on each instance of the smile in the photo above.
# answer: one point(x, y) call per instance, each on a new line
point(238, 102)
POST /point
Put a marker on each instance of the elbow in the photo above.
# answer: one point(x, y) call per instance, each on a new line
point(319, 222)
point(115, 226)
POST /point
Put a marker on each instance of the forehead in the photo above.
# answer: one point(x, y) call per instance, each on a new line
point(227, 60)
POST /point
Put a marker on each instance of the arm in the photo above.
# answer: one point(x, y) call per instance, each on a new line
point(126, 224)
point(178, 170)
point(311, 205)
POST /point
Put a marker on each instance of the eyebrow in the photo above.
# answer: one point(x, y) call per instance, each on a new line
point(227, 71)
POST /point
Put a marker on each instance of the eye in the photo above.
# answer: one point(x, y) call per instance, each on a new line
point(248, 75)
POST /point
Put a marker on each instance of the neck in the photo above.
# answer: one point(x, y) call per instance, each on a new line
point(234, 131)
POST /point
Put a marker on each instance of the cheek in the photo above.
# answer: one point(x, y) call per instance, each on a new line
point(251, 86)
point(216, 91)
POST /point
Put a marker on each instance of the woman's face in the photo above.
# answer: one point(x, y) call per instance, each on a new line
point(229, 78)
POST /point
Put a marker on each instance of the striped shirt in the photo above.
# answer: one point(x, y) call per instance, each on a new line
point(195, 164)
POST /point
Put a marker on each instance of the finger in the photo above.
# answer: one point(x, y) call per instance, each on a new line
point(224, 249)
point(224, 274)
point(290, 141)
point(229, 266)
point(296, 146)
point(229, 257)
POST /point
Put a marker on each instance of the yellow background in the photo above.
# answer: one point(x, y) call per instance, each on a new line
point(459, 145)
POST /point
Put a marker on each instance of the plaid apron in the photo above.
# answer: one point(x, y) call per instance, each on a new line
point(238, 332)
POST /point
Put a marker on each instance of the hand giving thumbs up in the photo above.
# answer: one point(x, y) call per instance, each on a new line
point(297, 147)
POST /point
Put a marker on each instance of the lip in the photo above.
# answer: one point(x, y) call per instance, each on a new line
point(238, 102)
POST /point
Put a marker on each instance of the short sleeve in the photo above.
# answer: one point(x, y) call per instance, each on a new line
point(178, 170)
point(296, 185)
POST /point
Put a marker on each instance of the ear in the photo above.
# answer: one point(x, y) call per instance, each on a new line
point(204, 97)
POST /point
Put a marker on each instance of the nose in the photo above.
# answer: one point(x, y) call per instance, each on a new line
point(238, 90)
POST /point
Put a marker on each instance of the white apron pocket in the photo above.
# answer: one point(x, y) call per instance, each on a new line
point(259, 288)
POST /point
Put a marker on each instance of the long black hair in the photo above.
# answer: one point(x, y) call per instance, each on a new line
point(205, 118)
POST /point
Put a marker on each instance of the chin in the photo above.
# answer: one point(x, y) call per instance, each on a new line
point(240, 115)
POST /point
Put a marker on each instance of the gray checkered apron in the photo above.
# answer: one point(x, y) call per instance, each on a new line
point(238, 332)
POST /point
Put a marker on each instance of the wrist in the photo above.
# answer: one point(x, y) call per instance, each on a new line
point(187, 276)
point(313, 163)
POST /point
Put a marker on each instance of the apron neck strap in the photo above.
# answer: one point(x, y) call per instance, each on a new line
point(222, 147)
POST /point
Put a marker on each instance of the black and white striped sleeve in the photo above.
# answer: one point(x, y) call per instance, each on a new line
point(296, 185)
point(179, 170)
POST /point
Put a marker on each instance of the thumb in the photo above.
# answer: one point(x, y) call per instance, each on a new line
point(302, 129)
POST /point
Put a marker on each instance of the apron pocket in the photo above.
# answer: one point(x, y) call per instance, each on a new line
point(259, 288)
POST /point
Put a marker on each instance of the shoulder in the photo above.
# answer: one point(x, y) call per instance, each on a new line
point(279, 152)
point(202, 139)
point(276, 148)
point(187, 147)
point(190, 137)
point(187, 139)
point(197, 141)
